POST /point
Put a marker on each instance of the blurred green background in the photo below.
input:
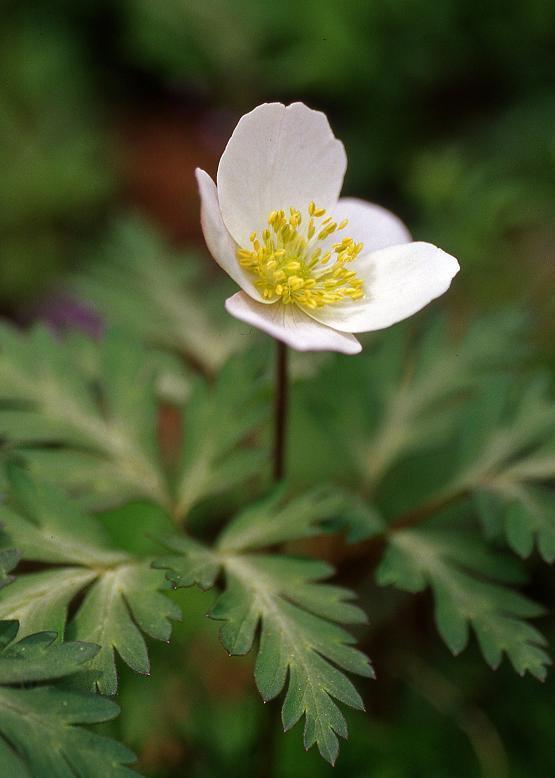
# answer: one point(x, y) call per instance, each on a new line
point(447, 112)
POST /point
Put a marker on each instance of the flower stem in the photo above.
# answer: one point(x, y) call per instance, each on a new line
point(280, 411)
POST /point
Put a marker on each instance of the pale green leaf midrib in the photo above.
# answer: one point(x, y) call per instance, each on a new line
point(293, 638)
point(111, 590)
point(110, 439)
point(79, 578)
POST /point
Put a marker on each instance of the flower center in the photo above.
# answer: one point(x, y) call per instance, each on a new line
point(293, 260)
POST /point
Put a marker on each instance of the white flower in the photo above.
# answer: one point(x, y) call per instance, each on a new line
point(313, 268)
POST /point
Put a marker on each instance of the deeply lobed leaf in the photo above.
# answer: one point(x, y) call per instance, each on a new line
point(39, 726)
point(464, 578)
point(302, 645)
point(122, 598)
point(97, 437)
point(220, 425)
point(508, 459)
point(86, 416)
point(406, 396)
point(141, 284)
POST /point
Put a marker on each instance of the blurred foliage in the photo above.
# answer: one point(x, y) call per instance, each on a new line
point(438, 461)
point(135, 255)
point(55, 173)
point(97, 433)
point(446, 114)
point(440, 436)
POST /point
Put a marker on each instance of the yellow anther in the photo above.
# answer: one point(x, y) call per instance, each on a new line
point(289, 267)
point(328, 230)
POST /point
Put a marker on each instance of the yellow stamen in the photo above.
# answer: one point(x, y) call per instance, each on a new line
point(288, 265)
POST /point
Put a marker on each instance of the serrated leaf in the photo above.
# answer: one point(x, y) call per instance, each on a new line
point(51, 528)
point(293, 641)
point(194, 563)
point(462, 576)
point(55, 415)
point(503, 427)
point(358, 519)
point(217, 421)
point(491, 510)
point(122, 598)
point(40, 601)
point(275, 520)
point(122, 604)
point(93, 428)
point(525, 515)
point(38, 657)
point(405, 395)
point(39, 727)
point(302, 645)
point(509, 473)
point(142, 285)
point(42, 725)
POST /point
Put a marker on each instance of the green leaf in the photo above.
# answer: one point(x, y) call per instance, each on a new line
point(490, 508)
point(275, 520)
point(404, 395)
point(40, 601)
point(504, 427)
point(358, 519)
point(121, 604)
point(509, 471)
point(465, 579)
point(94, 436)
point(219, 427)
point(39, 658)
point(302, 645)
point(49, 527)
point(122, 599)
point(194, 563)
point(9, 557)
point(532, 518)
point(86, 418)
point(39, 727)
point(159, 296)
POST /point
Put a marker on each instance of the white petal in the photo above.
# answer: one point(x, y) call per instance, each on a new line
point(219, 241)
point(278, 157)
point(370, 224)
point(290, 325)
point(398, 281)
